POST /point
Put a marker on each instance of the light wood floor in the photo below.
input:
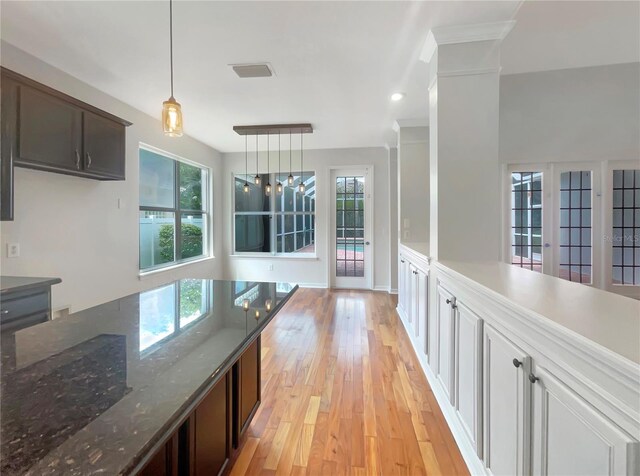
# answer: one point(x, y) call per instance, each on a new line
point(343, 393)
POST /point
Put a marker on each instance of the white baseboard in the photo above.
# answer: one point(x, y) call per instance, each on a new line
point(313, 285)
point(474, 463)
point(393, 291)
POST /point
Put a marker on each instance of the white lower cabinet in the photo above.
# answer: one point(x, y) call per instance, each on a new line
point(468, 373)
point(444, 327)
point(571, 437)
point(505, 386)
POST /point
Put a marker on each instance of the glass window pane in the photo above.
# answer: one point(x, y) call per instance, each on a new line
point(252, 233)
point(255, 200)
point(626, 238)
point(191, 186)
point(157, 180)
point(156, 238)
point(192, 235)
point(526, 206)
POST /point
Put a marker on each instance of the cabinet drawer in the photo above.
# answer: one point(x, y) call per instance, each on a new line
point(23, 306)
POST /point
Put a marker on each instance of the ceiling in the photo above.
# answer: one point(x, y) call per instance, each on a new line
point(336, 63)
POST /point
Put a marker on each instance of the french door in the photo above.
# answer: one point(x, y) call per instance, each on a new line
point(351, 247)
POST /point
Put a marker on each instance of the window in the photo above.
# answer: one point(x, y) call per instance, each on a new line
point(277, 223)
point(173, 210)
point(350, 226)
point(575, 226)
point(626, 228)
point(526, 220)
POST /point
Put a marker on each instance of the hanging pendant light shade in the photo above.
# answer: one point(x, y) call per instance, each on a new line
point(257, 179)
point(267, 188)
point(246, 166)
point(171, 109)
point(290, 177)
point(278, 182)
point(301, 187)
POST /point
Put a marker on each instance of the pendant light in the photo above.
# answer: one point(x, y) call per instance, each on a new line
point(290, 178)
point(279, 183)
point(301, 187)
point(246, 167)
point(257, 179)
point(171, 109)
point(267, 188)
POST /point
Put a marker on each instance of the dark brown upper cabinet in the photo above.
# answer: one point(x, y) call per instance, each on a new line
point(58, 133)
point(8, 109)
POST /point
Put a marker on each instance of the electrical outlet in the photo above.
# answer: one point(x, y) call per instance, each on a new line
point(270, 267)
point(407, 223)
point(406, 234)
point(13, 250)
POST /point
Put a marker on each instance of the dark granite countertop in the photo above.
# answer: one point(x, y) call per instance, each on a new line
point(9, 284)
point(93, 392)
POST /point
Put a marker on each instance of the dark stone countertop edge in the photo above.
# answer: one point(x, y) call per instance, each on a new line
point(12, 284)
point(180, 416)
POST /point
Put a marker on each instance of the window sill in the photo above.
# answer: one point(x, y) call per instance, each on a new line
point(144, 274)
point(308, 257)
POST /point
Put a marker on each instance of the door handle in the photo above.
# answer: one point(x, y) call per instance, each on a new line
point(88, 160)
point(77, 159)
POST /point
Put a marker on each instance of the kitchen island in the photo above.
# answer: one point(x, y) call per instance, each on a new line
point(159, 382)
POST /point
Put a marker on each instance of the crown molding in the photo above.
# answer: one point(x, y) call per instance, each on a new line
point(448, 35)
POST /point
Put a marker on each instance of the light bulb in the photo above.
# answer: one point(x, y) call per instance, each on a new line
point(267, 304)
point(290, 179)
point(301, 187)
point(257, 314)
point(267, 189)
point(245, 304)
point(257, 179)
point(172, 118)
point(279, 187)
point(246, 187)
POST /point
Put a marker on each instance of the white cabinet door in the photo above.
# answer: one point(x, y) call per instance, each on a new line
point(422, 315)
point(415, 304)
point(504, 400)
point(402, 284)
point(445, 340)
point(571, 437)
point(413, 297)
point(468, 371)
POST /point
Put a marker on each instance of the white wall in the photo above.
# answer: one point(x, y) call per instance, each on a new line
point(394, 226)
point(413, 183)
point(314, 272)
point(72, 228)
point(583, 114)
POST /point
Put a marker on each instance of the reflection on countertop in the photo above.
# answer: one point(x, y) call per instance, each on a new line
point(90, 392)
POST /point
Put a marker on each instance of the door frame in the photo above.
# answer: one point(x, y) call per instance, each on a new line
point(367, 171)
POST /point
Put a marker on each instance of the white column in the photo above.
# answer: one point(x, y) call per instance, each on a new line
point(464, 75)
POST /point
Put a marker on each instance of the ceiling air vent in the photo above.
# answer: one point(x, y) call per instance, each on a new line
point(261, 70)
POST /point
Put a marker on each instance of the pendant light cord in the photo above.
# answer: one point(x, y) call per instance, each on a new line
point(279, 152)
point(257, 173)
point(246, 160)
point(290, 161)
point(301, 159)
point(268, 158)
point(171, 41)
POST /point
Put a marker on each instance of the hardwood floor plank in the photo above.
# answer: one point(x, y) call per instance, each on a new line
point(343, 394)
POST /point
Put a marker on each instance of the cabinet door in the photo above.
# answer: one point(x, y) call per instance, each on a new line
point(50, 132)
point(468, 401)
point(247, 372)
point(505, 423)
point(571, 437)
point(8, 128)
point(104, 146)
point(407, 294)
point(402, 285)
point(212, 432)
point(413, 297)
point(422, 315)
point(445, 340)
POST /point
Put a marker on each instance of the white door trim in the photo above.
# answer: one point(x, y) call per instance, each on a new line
point(367, 171)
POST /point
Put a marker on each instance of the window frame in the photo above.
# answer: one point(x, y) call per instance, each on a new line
point(601, 217)
point(273, 215)
point(179, 212)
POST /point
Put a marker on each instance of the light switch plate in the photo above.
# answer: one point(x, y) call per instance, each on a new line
point(13, 250)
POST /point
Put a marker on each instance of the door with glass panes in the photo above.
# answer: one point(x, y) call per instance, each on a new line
point(351, 244)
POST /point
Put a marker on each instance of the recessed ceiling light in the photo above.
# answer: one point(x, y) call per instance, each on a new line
point(397, 96)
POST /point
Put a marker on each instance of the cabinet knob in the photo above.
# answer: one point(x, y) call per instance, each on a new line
point(88, 160)
point(5, 311)
point(402, 261)
point(448, 301)
point(77, 159)
point(516, 363)
point(533, 378)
